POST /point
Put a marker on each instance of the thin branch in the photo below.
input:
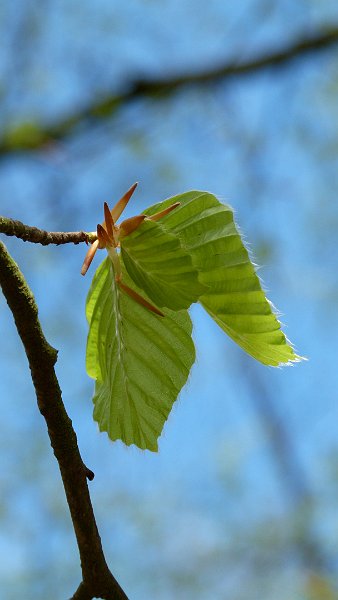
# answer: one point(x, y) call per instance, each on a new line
point(40, 236)
point(157, 87)
point(98, 582)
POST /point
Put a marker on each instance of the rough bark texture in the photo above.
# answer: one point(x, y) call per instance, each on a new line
point(98, 582)
point(40, 236)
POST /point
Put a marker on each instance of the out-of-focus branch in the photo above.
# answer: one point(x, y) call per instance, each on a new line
point(32, 136)
point(98, 582)
point(40, 236)
point(292, 473)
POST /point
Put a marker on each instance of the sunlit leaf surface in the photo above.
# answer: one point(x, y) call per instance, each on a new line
point(158, 264)
point(140, 361)
point(235, 299)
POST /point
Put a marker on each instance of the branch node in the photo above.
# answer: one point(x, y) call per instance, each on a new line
point(89, 474)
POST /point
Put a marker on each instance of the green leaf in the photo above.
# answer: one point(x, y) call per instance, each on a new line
point(235, 299)
point(140, 361)
point(157, 263)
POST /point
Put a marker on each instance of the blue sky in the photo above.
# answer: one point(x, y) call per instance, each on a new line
point(200, 512)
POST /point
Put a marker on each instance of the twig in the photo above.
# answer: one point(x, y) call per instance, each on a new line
point(40, 236)
point(156, 87)
point(98, 582)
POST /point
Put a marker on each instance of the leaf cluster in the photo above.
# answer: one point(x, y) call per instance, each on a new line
point(140, 360)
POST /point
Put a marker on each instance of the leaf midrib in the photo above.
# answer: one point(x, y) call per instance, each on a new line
point(119, 337)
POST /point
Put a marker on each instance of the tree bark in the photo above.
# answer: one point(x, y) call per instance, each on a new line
point(98, 582)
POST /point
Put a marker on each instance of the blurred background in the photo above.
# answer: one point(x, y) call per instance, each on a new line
point(241, 502)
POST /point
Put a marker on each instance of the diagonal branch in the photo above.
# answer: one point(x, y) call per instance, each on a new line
point(39, 136)
point(98, 582)
point(40, 236)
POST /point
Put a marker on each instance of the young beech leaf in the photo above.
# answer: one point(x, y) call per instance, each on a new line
point(234, 299)
point(159, 265)
point(140, 361)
